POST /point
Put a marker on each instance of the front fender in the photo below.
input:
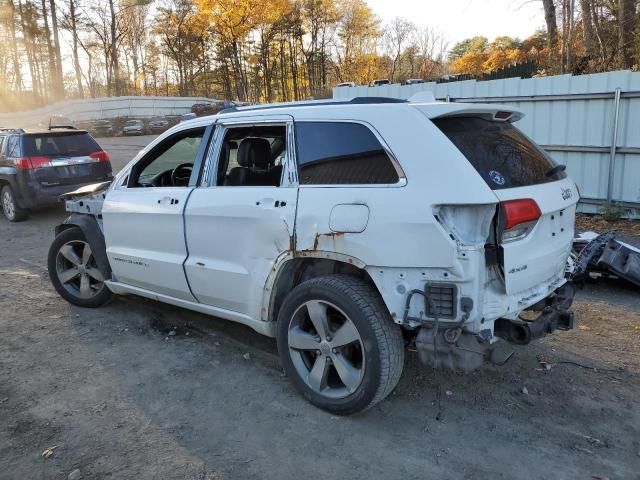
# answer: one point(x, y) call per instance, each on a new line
point(94, 235)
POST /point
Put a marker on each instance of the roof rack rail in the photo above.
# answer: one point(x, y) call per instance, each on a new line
point(316, 103)
point(11, 130)
point(65, 127)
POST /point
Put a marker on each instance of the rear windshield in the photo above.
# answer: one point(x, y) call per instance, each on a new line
point(501, 154)
point(66, 145)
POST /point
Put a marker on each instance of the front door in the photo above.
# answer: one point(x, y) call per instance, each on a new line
point(143, 217)
point(242, 221)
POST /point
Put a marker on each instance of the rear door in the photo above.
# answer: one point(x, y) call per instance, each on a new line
point(241, 221)
point(534, 252)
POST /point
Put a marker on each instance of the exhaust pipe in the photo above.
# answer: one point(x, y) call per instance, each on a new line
point(556, 315)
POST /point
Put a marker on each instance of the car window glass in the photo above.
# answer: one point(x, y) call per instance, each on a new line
point(12, 147)
point(334, 153)
point(500, 153)
point(252, 156)
point(72, 145)
point(1, 144)
point(156, 169)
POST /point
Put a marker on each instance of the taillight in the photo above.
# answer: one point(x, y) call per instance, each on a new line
point(26, 163)
point(518, 217)
point(101, 156)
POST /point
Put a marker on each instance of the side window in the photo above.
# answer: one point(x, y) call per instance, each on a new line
point(1, 144)
point(341, 153)
point(170, 163)
point(252, 156)
point(13, 150)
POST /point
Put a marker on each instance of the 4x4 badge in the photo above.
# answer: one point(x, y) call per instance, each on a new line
point(496, 177)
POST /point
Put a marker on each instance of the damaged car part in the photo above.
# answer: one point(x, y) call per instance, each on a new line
point(556, 315)
point(609, 253)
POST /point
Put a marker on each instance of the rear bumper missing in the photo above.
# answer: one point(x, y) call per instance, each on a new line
point(555, 315)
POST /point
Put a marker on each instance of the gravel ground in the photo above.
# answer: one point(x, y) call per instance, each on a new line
point(118, 397)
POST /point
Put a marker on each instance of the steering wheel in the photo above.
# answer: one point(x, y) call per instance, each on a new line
point(181, 174)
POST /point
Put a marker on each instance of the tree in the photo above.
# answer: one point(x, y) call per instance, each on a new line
point(552, 26)
point(358, 31)
point(70, 22)
point(397, 35)
point(587, 27)
point(58, 82)
point(472, 63)
point(627, 18)
point(470, 45)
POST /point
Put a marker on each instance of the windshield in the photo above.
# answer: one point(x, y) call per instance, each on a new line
point(500, 153)
point(133, 123)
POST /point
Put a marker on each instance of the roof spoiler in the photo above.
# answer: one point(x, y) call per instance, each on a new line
point(63, 127)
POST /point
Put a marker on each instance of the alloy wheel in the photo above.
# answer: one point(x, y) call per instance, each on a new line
point(8, 205)
point(326, 349)
point(77, 270)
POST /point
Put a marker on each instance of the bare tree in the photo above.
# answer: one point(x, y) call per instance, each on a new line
point(587, 27)
point(395, 38)
point(627, 23)
point(552, 26)
point(58, 81)
point(14, 46)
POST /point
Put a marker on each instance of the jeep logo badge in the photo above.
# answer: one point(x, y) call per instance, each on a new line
point(566, 193)
point(496, 177)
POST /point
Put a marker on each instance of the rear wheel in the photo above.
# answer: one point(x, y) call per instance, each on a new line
point(338, 344)
point(10, 207)
point(74, 272)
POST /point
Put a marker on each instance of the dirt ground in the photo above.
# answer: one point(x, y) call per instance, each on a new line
point(120, 398)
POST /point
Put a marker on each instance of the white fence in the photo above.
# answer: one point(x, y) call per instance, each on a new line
point(99, 108)
point(590, 123)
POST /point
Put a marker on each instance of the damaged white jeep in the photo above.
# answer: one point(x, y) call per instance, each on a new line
point(349, 230)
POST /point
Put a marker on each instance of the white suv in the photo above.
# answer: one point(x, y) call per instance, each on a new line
point(348, 230)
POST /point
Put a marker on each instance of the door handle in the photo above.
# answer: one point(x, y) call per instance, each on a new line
point(266, 203)
point(168, 200)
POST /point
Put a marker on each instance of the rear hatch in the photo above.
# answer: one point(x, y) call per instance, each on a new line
point(64, 158)
point(534, 223)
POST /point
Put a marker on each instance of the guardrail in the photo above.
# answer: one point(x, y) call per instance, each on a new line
point(103, 108)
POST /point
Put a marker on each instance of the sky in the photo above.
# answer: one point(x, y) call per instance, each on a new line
point(460, 19)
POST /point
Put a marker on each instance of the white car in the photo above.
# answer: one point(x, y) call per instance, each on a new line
point(347, 229)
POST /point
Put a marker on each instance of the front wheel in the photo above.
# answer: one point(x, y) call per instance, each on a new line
point(338, 344)
point(74, 272)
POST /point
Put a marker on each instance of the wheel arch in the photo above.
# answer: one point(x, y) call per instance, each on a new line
point(93, 233)
point(289, 272)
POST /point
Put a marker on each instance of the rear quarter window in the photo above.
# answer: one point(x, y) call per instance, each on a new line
point(67, 145)
point(502, 155)
point(341, 153)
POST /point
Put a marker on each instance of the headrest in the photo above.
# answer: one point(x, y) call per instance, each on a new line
point(254, 152)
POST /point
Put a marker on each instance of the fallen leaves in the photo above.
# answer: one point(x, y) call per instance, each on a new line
point(48, 451)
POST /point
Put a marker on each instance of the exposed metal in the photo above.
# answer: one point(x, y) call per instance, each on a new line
point(614, 141)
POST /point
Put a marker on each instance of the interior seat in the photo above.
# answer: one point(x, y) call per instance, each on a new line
point(255, 165)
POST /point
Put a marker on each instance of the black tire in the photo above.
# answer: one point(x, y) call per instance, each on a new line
point(383, 357)
point(71, 290)
point(12, 211)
